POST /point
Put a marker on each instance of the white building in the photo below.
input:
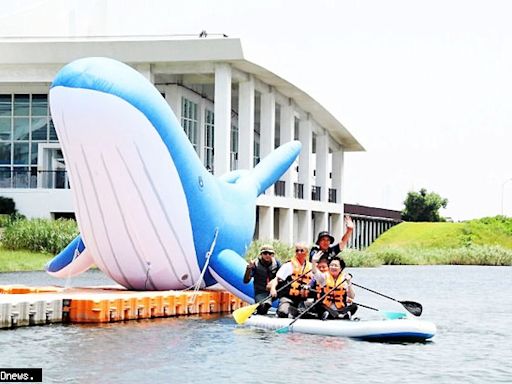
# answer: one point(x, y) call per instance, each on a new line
point(234, 112)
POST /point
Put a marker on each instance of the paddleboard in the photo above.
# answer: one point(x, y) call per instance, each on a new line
point(399, 330)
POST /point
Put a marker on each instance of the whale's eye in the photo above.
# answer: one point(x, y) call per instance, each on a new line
point(184, 277)
point(201, 183)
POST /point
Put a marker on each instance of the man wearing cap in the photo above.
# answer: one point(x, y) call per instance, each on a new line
point(263, 270)
point(324, 243)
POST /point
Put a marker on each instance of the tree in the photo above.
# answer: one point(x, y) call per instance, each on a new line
point(423, 206)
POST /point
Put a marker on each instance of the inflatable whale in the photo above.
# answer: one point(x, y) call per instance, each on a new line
point(150, 215)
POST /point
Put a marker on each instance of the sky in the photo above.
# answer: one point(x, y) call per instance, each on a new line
point(424, 86)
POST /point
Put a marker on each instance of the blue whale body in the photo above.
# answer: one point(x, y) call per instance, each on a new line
point(150, 215)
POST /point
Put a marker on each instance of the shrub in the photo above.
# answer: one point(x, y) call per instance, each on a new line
point(7, 205)
point(40, 235)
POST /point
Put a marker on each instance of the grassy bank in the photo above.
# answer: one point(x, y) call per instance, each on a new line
point(486, 241)
point(13, 261)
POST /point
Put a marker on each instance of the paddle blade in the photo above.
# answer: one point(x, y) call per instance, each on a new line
point(283, 330)
point(394, 315)
point(242, 314)
point(415, 308)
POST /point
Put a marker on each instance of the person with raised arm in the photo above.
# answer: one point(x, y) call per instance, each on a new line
point(324, 242)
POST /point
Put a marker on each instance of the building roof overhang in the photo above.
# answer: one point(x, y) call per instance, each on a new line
point(160, 50)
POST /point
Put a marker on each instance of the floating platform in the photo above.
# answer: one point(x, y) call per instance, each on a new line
point(22, 305)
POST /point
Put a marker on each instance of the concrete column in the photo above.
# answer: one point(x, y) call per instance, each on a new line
point(337, 226)
point(286, 133)
point(286, 225)
point(321, 221)
point(322, 169)
point(267, 124)
point(367, 233)
point(337, 177)
point(145, 70)
point(246, 124)
point(305, 166)
point(305, 227)
point(266, 223)
point(359, 233)
point(222, 134)
point(173, 98)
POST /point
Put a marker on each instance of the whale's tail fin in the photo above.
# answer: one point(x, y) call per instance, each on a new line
point(273, 166)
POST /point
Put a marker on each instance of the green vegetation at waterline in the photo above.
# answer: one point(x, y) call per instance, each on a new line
point(14, 261)
point(486, 241)
point(39, 235)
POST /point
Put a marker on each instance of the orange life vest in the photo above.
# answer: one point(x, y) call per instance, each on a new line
point(337, 296)
point(299, 269)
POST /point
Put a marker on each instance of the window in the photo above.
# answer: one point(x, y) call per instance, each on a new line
point(209, 125)
point(277, 126)
point(256, 157)
point(25, 122)
point(234, 148)
point(189, 120)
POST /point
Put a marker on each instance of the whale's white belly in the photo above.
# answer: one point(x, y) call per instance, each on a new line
point(129, 201)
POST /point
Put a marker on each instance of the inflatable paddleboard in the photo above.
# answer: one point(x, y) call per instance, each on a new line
point(400, 330)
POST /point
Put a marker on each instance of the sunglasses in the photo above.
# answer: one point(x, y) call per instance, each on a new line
point(300, 250)
point(266, 253)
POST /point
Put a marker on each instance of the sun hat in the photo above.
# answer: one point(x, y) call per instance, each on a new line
point(267, 248)
point(324, 234)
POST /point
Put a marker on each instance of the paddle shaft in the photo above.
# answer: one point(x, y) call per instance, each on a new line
point(313, 305)
point(284, 286)
point(365, 306)
point(377, 293)
point(411, 306)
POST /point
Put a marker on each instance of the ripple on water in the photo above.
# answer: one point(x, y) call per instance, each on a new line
point(472, 344)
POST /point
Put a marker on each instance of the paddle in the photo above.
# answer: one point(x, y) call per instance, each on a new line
point(412, 306)
point(286, 329)
point(242, 314)
point(387, 314)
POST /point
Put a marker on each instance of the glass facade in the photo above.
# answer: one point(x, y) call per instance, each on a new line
point(234, 148)
point(209, 122)
point(189, 120)
point(25, 123)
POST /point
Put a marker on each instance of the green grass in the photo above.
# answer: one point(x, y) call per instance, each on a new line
point(486, 241)
point(14, 261)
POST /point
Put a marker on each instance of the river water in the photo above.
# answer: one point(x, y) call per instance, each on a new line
point(471, 307)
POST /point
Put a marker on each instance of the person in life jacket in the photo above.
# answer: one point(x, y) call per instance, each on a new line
point(262, 270)
point(336, 284)
point(298, 270)
point(323, 266)
point(324, 242)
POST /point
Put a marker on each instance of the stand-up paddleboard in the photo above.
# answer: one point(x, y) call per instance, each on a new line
point(401, 330)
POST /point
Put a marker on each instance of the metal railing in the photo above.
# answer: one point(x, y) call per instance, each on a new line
point(316, 193)
point(298, 190)
point(332, 195)
point(279, 188)
point(31, 178)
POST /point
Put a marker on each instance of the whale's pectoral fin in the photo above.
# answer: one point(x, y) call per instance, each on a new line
point(228, 268)
point(232, 176)
point(273, 166)
point(71, 261)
